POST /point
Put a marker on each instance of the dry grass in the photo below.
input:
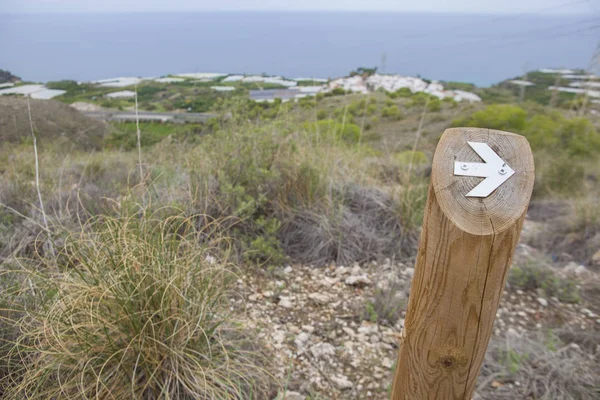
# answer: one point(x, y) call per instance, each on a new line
point(53, 120)
point(137, 309)
point(540, 368)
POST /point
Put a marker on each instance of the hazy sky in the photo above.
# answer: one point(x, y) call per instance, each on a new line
point(462, 6)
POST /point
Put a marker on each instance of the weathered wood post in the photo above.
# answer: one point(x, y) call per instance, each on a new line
point(470, 231)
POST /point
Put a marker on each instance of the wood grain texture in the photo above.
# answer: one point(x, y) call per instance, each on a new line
point(465, 251)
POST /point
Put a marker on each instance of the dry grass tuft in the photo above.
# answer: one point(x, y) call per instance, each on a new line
point(361, 225)
point(138, 309)
point(541, 368)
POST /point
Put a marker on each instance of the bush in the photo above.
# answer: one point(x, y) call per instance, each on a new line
point(420, 99)
point(580, 138)
point(411, 157)
point(543, 130)
point(499, 116)
point(139, 311)
point(434, 105)
point(328, 128)
point(371, 109)
point(404, 92)
point(392, 112)
point(531, 277)
point(321, 114)
point(562, 175)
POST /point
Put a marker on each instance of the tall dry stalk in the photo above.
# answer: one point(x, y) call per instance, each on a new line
point(139, 137)
point(407, 192)
point(417, 138)
point(37, 175)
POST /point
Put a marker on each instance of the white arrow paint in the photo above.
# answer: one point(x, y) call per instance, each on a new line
point(494, 170)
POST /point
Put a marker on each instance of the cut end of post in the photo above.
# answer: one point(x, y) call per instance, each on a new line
point(482, 178)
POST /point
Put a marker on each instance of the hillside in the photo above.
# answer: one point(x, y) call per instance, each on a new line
point(51, 120)
point(7, 77)
point(271, 249)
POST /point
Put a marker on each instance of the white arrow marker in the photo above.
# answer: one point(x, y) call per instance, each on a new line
point(494, 170)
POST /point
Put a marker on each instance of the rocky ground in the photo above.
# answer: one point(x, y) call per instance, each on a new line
point(334, 330)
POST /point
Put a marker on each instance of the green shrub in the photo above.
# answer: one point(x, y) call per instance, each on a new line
point(411, 157)
point(392, 112)
point(357, 108)
point(499, 116)
point(372, 109)
point(328, 128)
point(124, 134)
point(562, 175)
point(404, 92)
point(543, 131)
point(580, 138)
point(321, 114)
point(532, 276)
point(420, 99)
point(434, 105)
point(68, 85)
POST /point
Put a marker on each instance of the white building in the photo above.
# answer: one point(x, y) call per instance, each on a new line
point(118, 82)
point(169, 80)
point(223, 88)
point(591, 93)
point(202, 75)
point(121, 94)
point(34, 91)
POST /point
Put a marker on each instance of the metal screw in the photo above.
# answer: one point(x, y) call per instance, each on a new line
point(502, 171)
point(464, 166)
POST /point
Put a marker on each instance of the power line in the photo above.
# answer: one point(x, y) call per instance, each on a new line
point(496, 19)
point(520, 38)
point(564, 34)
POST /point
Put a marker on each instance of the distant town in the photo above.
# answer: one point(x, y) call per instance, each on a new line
point(577, 82)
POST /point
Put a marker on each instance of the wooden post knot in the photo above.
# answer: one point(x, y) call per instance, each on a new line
point(450, 357)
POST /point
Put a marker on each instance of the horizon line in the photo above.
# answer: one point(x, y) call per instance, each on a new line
point(297, 11)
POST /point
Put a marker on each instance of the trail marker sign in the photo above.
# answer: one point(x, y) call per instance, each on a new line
point(494, 170)
point(470, 230)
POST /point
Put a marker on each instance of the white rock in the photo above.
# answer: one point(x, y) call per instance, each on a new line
point(254, 297)
point(294, 396)
point(288, 269)
point(367, 328)
point(596, 258)
point(278, 336)
point(321, 350)
point(543, 302)
point(360, 281)
point(285, 302)
point(342, 382)
point(341, 270)
point(301, 341)
point(319, 298)
point(387, 363)
point(348, 331)
point(409, 272)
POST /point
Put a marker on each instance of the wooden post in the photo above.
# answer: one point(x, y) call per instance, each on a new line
point(465, 251)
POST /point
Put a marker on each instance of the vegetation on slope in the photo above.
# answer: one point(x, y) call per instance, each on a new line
point(328, 179)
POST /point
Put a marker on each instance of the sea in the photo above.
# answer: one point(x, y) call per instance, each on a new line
point(481, 49)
